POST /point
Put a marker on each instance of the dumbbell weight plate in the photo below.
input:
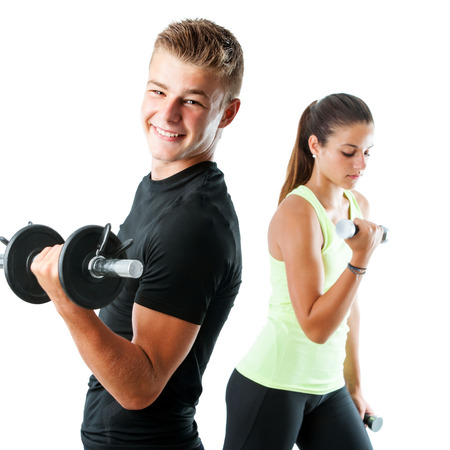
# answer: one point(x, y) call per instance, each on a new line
point(19, 254)
point(80, 286)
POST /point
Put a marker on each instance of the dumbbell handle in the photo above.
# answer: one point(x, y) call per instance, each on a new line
point(100, 267)
point(373, 422)
point(346, 229)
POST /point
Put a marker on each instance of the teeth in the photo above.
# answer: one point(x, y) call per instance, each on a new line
point(165, 133)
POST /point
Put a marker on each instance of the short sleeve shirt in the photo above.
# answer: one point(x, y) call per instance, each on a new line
point(186, 233)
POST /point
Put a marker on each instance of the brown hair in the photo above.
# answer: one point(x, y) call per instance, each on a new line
point(321, 119)
point(208, 46)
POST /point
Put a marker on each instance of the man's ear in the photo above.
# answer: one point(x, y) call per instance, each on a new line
point(230, 112)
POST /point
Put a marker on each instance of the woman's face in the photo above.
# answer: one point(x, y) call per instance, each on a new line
point(343, 159)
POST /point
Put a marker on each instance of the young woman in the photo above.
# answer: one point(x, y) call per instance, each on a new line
point(300, 381)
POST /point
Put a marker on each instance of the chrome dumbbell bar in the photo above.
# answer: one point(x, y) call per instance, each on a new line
point(92, 264)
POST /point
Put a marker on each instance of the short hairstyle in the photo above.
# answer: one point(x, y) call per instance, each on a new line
point(208, 46)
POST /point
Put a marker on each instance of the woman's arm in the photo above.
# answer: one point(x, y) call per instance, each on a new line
point(295, 237)
point(352, 372)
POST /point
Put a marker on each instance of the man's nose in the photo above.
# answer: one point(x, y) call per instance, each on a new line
point(171, 110)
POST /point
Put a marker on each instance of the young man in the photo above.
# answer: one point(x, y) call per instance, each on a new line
point(149, 348)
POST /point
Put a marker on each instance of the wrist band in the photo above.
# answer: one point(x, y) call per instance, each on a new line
point(357, 270)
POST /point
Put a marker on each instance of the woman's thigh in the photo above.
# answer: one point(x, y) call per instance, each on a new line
point(334, 422)
point(260, 418)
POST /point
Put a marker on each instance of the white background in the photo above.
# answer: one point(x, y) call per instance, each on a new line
point(72, 76)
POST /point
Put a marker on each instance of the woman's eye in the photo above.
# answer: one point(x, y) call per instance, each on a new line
point(350, 155)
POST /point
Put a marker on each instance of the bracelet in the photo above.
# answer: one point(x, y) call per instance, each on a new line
point(357, 270)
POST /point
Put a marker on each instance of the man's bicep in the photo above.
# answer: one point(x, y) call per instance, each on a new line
point(165, 339)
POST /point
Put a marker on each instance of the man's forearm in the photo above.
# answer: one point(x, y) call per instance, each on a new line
point(121, 366)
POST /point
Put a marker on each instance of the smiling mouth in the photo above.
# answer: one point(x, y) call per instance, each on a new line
point(164, 133)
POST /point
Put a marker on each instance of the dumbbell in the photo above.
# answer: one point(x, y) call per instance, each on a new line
point(346, 229)
point(373, 422)
point(92, 264)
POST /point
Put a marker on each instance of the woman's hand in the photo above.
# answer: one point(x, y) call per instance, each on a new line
point(361, 405)
point(364, 242)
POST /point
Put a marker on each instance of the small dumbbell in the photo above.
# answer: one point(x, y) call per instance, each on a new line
point(346, 229)
point(373, 422)
point(92, 264)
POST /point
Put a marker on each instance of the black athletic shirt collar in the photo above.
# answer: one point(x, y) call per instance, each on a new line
point(180, 178)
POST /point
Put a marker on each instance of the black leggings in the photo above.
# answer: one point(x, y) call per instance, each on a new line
point(260, 418)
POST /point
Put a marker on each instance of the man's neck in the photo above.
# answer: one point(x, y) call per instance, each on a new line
point(162, 170)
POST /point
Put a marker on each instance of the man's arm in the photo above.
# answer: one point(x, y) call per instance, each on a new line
point(135, 372)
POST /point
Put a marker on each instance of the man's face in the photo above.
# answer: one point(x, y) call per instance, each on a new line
point(182, 112)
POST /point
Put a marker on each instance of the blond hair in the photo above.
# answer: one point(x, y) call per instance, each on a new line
point(208, 46)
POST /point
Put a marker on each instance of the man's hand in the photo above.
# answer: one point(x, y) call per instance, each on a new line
point(45, 269)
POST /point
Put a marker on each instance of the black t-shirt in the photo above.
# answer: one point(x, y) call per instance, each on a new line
point(186, 233)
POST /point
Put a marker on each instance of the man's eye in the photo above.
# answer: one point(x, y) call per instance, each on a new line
point(155, 92)
point(193, 102)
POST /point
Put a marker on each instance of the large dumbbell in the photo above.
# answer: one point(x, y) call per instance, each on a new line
point(346, 229)
point(92, 265)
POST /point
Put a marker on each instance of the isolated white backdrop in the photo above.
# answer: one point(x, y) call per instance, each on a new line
point(72, 153)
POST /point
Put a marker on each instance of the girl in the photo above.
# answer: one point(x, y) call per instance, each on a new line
point(290, 387)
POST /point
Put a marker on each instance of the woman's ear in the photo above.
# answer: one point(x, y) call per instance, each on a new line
point(314, 145)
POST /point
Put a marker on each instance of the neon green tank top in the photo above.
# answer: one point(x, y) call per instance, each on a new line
point(282, 357)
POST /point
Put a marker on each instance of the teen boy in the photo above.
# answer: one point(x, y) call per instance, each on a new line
point(149, 348)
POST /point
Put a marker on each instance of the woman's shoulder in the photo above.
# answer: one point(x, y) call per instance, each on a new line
point(294, 228)
point(293, 214)
point(362, 202)
point(294, 205)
